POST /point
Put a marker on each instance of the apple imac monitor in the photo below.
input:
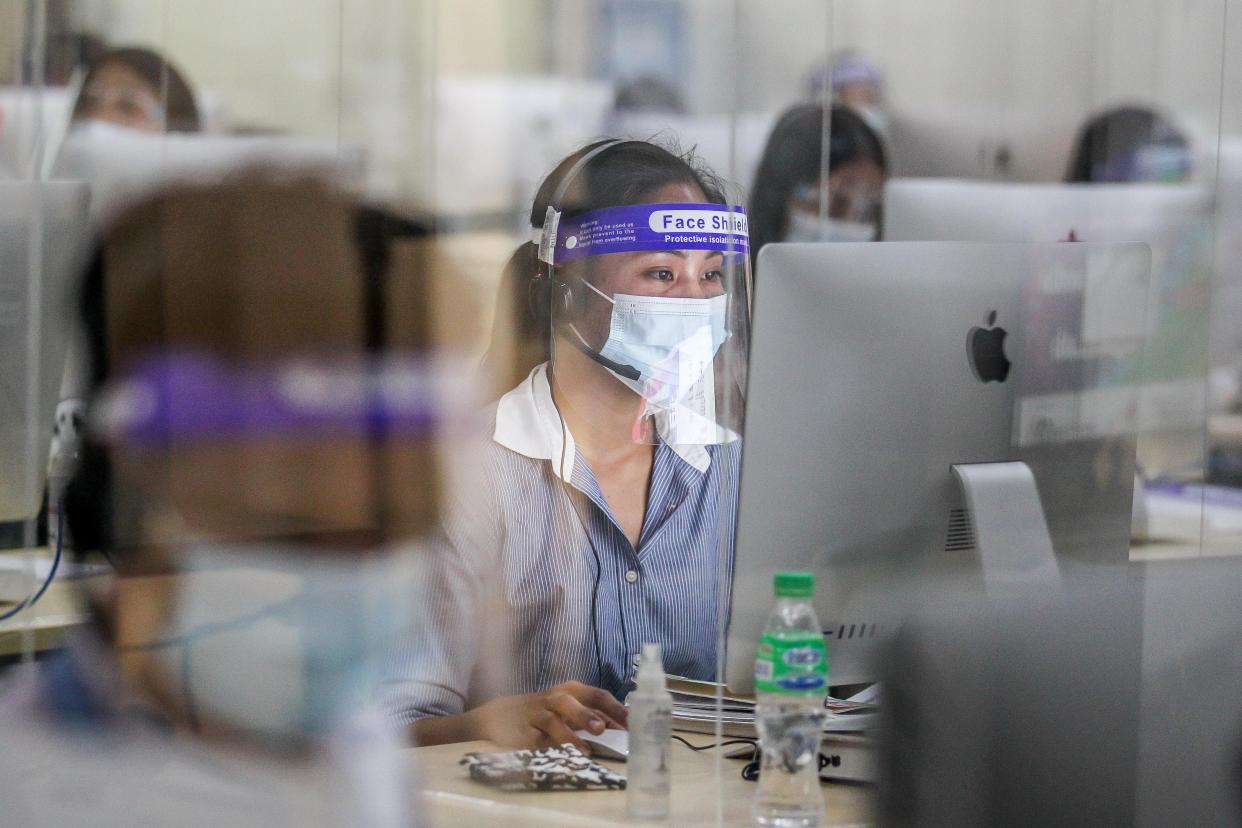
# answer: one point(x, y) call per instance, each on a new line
point(1175, 220)
point(875, 370)
point(44, 235)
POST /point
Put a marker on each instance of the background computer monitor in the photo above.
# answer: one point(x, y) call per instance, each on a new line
point(30, 116)
point(1111, 702)
point(123, 165)
point(496, 137)
point(1175, 220)
point(43, 241)
point(862, 397)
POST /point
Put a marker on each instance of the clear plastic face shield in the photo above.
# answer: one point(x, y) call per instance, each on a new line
point(287, 502)
point(654, 298)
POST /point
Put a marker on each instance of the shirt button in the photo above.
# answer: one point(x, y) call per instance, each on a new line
point(631, 575)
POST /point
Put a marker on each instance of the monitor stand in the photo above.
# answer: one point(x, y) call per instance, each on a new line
point(1010, 533)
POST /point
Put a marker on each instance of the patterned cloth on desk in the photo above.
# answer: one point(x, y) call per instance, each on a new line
point(561, 768)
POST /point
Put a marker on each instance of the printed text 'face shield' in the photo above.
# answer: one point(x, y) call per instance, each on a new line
point(657, 296)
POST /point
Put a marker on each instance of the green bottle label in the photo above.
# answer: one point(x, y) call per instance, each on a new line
point(792, 663)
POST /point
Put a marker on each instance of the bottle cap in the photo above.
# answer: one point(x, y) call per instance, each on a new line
point(794, 584)
point(651, 669)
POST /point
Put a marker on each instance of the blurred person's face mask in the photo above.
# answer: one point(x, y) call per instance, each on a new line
point(1154, 163)
point(876, 118)
point(279, 640)
point(853, 208)
point(811, 227)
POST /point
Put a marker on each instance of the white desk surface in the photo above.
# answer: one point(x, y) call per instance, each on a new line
point(451, 798)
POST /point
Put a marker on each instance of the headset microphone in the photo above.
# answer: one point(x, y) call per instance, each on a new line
point(627, 371)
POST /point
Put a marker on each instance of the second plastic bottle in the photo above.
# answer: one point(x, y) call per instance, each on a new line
point(791, 679)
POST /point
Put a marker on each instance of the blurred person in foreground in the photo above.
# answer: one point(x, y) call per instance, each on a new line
point(604, 519)
point(261, 474)
point(139, 89)
point(791, 182)
point(1129, 145)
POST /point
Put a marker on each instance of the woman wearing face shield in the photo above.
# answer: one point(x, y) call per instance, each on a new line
point(257, 490)
point(604, 515)
point(791, 183)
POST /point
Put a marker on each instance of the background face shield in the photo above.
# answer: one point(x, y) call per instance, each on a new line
point(656, 299)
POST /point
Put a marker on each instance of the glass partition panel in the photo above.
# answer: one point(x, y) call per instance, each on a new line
point(511, 253)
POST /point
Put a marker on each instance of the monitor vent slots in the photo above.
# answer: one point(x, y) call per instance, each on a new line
point(845, 632)
point(961, 533)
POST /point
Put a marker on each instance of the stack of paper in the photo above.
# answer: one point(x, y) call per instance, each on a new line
point(699, 705)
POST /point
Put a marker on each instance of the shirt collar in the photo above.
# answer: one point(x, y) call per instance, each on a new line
point(528, 423)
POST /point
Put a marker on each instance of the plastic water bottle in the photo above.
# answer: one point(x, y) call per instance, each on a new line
point(650, 726)
point(791, 679)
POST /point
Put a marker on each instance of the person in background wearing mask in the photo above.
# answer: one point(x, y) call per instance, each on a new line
point(611, 474)
point(791, 184)
point(1129, 144)
point(855, 83)
point(139, 89)
point(133, 93)
point(260, 473)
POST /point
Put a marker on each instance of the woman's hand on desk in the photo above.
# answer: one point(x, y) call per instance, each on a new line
point(532, 720)
point(548, 718)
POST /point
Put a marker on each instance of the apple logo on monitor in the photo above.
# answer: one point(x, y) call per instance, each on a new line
point(986, 348)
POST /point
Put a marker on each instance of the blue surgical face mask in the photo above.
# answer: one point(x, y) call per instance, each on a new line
point(671, 342)
point(283, 643)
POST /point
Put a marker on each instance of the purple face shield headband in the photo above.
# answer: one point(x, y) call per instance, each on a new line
point(191, 396)
point(643, 227)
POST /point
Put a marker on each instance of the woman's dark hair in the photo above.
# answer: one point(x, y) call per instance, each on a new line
point(1108, 146)
point(180, 111)
point(627, 173)
point(794, 156)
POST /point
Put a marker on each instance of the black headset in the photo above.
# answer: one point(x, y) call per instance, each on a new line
point(548, 288)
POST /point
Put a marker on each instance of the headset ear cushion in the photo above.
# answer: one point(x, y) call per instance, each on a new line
point(552, 299)
point(537, 298)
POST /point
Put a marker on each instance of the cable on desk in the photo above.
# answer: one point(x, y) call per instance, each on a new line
point(751, 742)
point(51, 573)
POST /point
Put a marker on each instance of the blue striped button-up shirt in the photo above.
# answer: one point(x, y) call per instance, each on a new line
point(537, 583)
